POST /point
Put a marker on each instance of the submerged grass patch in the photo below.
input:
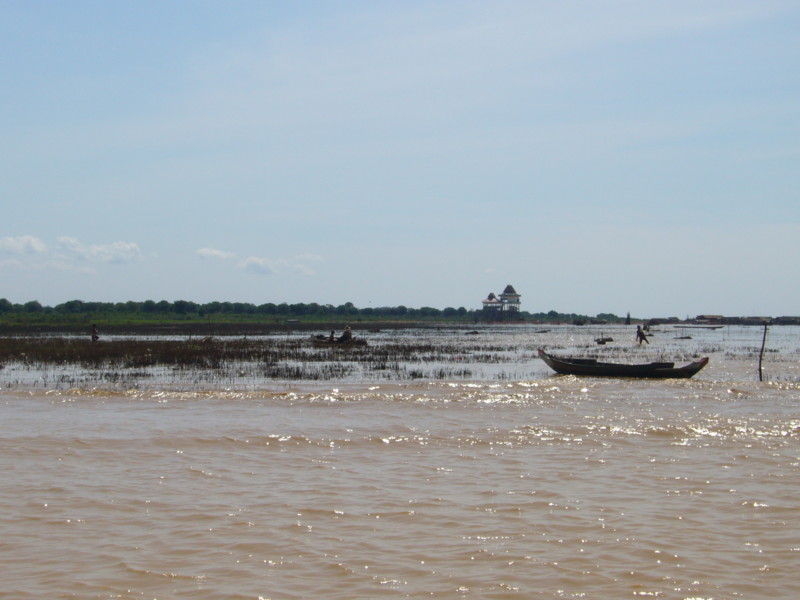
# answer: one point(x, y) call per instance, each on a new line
point(69, 361)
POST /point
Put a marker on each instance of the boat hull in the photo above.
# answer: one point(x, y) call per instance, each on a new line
point(326, 343)
point(589, 367)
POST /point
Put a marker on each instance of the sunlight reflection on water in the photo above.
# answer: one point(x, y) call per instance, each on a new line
point(542, 486)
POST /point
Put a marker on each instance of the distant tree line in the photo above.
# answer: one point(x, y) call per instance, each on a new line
point(188, 309)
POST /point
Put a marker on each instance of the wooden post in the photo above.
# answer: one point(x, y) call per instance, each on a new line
point(761, 354)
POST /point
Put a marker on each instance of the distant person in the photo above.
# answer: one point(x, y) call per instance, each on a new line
point(332, 337)
point(95, 335)
point(347, 335)
point(641, 336)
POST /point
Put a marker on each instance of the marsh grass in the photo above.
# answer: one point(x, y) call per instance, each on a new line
point(70, 361)
point(427, 354)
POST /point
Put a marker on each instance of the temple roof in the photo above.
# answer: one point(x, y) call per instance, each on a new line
point(510, 290)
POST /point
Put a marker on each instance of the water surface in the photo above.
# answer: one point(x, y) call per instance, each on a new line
point(485, 486)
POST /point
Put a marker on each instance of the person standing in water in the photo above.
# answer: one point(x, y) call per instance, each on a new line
point(640, 335)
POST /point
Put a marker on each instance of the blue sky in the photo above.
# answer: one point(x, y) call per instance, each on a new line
point(605, 156)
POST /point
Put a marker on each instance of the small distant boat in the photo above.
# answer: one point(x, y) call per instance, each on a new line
point(593, 368)
point(321, 341)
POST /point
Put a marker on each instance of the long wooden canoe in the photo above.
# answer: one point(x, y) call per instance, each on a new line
point(591, 367)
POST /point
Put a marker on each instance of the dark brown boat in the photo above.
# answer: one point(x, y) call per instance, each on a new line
point(591, 367)
point(321, 341)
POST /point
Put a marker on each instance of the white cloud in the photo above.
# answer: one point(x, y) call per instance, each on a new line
point(31, 253)
point(298, 264)
point(117, 252)
point(269, 266)
point(214, 253)
point(259, 266)
point(23, 244)
point(301, 269)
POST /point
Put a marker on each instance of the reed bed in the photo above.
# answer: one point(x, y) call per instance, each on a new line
point(397, 355)
point(70, 361)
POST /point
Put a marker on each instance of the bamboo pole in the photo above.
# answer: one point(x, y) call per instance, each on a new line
point(761, 354)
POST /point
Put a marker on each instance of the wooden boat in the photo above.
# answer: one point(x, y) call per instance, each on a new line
point(321, 341)
point(593, 368)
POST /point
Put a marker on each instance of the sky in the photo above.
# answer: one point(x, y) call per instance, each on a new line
point(605, 156)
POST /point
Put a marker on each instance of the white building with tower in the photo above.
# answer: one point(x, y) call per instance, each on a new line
point(503, 306)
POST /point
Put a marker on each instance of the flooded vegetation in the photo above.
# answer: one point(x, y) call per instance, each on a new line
point(488, 353)
point(69, 361)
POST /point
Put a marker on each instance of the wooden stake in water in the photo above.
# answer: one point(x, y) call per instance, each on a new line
point(761, 354)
